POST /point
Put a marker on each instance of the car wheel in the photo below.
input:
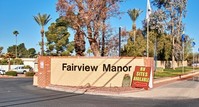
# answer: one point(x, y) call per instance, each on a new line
point(24, 72)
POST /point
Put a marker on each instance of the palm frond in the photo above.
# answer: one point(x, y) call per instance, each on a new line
point(42, 19)
point(134, 13)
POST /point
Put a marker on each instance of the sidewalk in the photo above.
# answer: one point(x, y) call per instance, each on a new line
point(156, 92)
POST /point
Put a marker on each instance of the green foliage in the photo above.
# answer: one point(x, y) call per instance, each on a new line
point(31, 53)
point(58, 39)
point(134, 13)
point(30, 74)
point(159, 69)
point(15, 32)
point(28, 67)
point(17, 61)
point(168, 72)
point(42, 19)
point(3, 62)
point(11, 73)
point(135, 48)
point(89, 51)
point(11, 49)
point(22, 51)
point(164, 47)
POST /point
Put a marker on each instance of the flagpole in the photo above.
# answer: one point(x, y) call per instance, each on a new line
point(148, 12)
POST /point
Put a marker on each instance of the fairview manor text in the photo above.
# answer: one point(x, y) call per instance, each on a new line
point(106, 68)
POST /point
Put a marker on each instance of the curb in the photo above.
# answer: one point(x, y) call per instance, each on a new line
point(176, 78)
point(88, 92)
point(119, 94)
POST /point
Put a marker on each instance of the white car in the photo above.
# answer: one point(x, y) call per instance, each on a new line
point(20, 69)
point(2, 72)
point(195, 64)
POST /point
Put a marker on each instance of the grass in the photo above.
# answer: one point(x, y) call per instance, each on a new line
point(169, 72)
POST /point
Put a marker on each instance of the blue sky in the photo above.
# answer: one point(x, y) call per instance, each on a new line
point(18, 15)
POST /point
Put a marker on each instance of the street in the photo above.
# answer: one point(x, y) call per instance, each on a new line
point(19, 92)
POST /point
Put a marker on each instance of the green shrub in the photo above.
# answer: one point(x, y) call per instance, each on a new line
point(11, 73)
point(30, 74)
point(17, 61)
point(3, 62)
point(28, 67)
point(159, 69)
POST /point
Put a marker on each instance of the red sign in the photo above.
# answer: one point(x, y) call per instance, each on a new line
point(141, 77)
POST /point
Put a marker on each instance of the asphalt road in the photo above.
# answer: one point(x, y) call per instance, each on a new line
point(21, 93)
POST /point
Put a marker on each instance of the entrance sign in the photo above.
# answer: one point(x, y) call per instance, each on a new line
point(142, 77)
point(97, 72)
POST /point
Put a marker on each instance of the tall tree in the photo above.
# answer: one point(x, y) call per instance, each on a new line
point(136, 48)
point(58, 38)
point(31, 53)
point(16, 33)
point(22, 51)
point(86, 18)
point(9, 56)
point(174, 10)
point(42, 20)
point(134, 14)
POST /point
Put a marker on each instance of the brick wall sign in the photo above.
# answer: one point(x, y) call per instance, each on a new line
point(142, 77)
point(83, 71)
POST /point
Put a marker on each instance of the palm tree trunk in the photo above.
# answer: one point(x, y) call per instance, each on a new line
point(134, 31)
point(42, 44)
point(16, 46)
point(42, 41)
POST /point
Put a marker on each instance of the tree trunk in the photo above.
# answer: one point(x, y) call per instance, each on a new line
point(42, 41)
point(93, 41)
point(134, 31)
point(94, 47)
point(79, 43)
point(173, 42)
point(103, 38)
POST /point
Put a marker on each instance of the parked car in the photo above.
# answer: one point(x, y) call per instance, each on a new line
point(195, 64)
point(20, 69)
point(2, 72)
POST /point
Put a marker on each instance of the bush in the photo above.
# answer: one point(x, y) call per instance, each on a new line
point(17, 61)
point(28, 67)
point(3, 62)
point(11, 73)
point(29, 74)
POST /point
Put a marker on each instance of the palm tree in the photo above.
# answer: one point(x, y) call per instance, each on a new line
point(42, 20)
point(16, 33)
point(134, 14)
